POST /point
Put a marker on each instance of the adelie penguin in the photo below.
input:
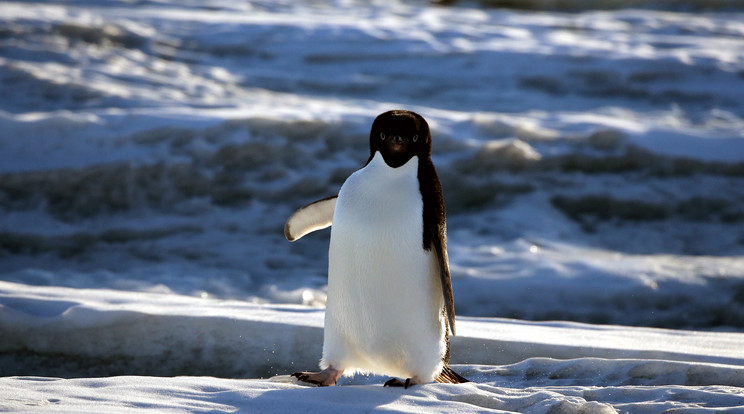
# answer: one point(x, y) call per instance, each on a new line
point(390, 309)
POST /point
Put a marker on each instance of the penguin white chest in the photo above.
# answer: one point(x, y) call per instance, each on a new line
point(384, 309)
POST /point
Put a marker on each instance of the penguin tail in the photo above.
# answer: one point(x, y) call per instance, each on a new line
point(448, 376)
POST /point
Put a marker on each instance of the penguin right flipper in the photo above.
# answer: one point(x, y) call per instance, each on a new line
point(446, 280)
point(314, 216)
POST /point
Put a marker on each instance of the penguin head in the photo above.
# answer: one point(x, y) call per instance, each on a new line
point(400, 135)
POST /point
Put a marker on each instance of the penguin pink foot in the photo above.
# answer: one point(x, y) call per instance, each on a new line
point(325, 378)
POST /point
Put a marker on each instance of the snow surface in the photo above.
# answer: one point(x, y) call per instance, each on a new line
point(515, 366)
point(592, 163)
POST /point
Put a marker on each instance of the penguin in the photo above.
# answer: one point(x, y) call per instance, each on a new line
point(390, 309)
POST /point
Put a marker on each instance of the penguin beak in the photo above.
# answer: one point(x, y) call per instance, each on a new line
point(397, 143)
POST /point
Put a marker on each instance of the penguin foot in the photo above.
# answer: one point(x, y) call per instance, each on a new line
point(325, 378)
point(395, 382)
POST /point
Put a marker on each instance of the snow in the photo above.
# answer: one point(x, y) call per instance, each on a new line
point(591, 157)
point(515, 366)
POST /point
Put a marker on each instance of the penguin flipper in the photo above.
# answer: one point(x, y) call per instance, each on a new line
point(435, 234)
point(314, 216)
point(444, 276)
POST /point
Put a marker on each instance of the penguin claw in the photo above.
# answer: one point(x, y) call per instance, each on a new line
point(313, 378)
point(395, 382)
point(325, 378)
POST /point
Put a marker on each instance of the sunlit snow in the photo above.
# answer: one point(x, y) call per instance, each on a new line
point(592, 162)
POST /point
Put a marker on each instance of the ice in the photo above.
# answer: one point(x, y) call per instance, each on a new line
point(591, 158)
point(146, 147)
point(228, 337)
point(515, 366)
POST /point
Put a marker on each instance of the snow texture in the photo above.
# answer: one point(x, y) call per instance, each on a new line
point(591, 158)
point(514, 366)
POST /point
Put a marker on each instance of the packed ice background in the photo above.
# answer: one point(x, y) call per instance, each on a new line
point(591, 158)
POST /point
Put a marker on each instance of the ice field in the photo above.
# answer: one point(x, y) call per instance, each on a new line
point(592, 163)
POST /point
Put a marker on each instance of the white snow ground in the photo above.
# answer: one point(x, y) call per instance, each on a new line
point(592, 164)
point(515, 366)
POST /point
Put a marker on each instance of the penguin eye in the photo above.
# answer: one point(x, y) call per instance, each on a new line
point(415, 138)
point(382, 135)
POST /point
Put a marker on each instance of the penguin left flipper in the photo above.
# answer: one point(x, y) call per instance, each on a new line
point(314, 216)
point(444, 276)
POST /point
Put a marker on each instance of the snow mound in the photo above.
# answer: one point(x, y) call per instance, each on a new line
point(167, 334)
point(514, 366)
point(592, 164)
point(156, 147)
